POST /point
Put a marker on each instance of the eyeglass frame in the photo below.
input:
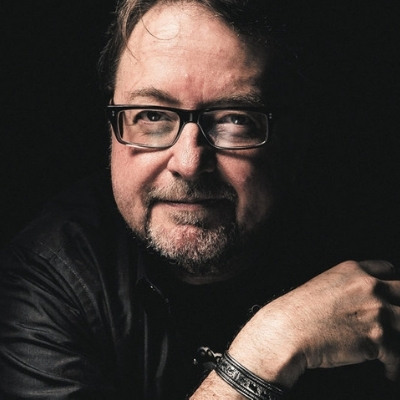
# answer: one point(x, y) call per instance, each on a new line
point(185, 116)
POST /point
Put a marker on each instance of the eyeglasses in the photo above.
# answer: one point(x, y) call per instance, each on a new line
point(160, 127)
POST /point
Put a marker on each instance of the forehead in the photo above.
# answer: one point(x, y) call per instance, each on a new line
point(187, 51)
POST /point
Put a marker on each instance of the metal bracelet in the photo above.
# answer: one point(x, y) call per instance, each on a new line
point(245, 382)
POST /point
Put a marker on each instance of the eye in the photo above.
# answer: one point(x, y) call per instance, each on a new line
point(151, 116)
point(236, 119)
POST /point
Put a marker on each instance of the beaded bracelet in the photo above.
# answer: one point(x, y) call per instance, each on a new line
point(245, 382)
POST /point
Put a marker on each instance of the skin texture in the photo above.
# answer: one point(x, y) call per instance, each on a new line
point(175, 57)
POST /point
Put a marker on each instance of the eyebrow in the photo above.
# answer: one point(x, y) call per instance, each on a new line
point(248, 99)
point(154, 93)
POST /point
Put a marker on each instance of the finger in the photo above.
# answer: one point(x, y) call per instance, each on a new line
point(390, 291)
point(380, 269)
point(392, 369)
point(390, 356)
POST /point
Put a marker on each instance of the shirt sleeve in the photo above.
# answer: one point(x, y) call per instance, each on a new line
point(47, 347)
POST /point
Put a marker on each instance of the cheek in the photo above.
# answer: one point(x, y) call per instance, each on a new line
point(133, 168)
point(134, 172)
point(119, 163)
point(249, 177)
point(124, 174)
point(128, 185)
point(255, 199)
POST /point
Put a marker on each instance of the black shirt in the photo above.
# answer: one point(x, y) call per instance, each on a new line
point(87, 313)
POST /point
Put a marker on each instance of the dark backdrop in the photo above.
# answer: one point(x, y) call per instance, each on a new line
point(52, 120)
point(53, 129)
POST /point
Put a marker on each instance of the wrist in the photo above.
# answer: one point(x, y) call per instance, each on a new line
point(267, 347)
point(245, 382)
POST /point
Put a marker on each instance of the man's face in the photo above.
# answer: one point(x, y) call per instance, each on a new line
point(191, 202)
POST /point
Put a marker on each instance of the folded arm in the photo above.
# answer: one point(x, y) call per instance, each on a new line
point(347, 315)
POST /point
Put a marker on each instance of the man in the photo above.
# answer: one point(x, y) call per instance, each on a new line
point(91, 309)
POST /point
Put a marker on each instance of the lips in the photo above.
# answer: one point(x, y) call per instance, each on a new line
point(199, 193)
point(192, 202)
point(204, 212)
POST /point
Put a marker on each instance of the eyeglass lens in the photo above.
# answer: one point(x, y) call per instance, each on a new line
point(223, 128)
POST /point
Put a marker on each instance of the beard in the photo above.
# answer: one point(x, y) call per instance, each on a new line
point(202, 242)
point(198, 251)
point(208, 241)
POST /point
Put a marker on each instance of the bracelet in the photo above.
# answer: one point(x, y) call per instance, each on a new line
point(245, 382)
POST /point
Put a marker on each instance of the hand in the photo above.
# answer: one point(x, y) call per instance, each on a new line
point(347, 315)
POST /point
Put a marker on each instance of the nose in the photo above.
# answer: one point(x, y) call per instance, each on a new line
point(191, 155)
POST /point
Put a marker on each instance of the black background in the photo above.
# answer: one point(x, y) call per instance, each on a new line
point(53, 129)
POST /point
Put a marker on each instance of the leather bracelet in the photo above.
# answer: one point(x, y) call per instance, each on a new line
point(245, 382)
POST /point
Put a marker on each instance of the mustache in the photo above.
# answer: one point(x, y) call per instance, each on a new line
point(200, 190)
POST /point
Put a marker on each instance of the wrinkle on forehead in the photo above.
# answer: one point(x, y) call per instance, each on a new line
point(184, 49)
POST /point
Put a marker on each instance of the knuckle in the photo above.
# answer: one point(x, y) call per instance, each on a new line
point(376, 334)
point(384, 316)
point(369, 284)
point(349, 264)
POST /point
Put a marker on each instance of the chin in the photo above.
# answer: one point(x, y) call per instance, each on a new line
point(196, 250)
